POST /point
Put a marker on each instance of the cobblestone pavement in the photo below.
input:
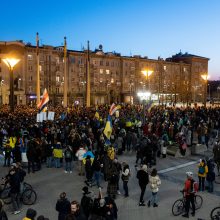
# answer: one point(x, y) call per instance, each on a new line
point(50, 182)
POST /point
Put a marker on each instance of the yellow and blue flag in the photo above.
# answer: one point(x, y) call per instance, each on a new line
point(108, 128)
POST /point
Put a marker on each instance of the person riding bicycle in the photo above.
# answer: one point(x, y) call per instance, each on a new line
point(190, 188)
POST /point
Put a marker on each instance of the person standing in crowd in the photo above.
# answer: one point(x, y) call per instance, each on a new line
point(7, 150)
point(14, 181)
point(125, 178)
point(143, 179)
point(96, 166)
point(30, 214)
point(63, 206)
point(68, 156)
point(3, 215)
point(189, 193)
point(79, 154)
point(49, 155)
point(86, 202)
point(57, 154)
point(77, 211)
point(118, 169)
point(31, 154)
point(210, 175)
point(202, 172)
point(88, 169)
point(216, 152)
point(154, 182)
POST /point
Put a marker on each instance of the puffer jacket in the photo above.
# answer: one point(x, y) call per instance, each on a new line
point(155, 182)
point(206, 169)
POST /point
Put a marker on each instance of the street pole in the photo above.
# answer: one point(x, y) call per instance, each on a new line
point(38, 71)
point(11, 101)
point(88, 78)
point(65, 76)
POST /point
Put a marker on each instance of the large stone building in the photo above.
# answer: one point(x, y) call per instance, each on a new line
point(114, 78)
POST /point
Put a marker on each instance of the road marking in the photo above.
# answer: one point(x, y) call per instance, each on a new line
point(177, 167)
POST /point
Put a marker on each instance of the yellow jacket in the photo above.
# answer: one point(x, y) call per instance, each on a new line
point(12, 141)
point(206, 169)
point(58, 153)
point(25, 218)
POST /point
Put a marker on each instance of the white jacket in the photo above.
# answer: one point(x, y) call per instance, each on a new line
point(155, 182)
point(80, 153)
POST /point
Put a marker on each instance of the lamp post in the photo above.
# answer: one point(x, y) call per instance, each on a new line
point(205, 78)
point(144, 96)
point(11, 62)
point(2, 81)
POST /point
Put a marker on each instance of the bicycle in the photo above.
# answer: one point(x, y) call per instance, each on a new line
point(179, 205)
point(215, 213)
point(28, 196)
point(217, 173)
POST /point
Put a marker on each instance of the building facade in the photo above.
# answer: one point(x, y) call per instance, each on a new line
point(114, 78)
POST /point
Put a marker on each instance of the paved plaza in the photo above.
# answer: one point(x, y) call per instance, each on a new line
point(50, 182)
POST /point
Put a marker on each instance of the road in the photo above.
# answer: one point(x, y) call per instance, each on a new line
point(50, 182)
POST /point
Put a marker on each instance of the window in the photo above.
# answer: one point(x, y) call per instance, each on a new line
point(0, 69)
point(101, 71)
point(30, 68)
point(40, 67)
point(30, 89)
point(101, 63)
point(107, 63)
point(57, 90)
point(107, 71)
point(165, 67)
point(30, 57)
point(57, 78)
point(112, 63)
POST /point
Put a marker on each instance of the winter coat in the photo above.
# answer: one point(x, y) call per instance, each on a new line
point(155, 182)
point(63, 207)
point(3, 215)
point(143, 177)
point(206, 169)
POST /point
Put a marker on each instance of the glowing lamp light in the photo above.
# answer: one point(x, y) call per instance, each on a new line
point(144, 95)
point(205, 77)
point(147, 72)
point(11, 62)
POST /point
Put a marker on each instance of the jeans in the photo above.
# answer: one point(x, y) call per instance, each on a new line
point(31, 166)
point(68, 166)
point(81, 167)
point(49, 162)
point(97, 177)
point(57, 162)
point(125, 187)
point(15, 198)
point(201, 183)
point(154, 198)
point(143, 188)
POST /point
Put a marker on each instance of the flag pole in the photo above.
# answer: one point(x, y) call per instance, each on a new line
point(38, 70)
point(65, 76)
point(88, 77)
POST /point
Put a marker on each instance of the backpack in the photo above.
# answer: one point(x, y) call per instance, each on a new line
point(194, 186)
point(87, 205)
point(68, 155)
point(201, 170)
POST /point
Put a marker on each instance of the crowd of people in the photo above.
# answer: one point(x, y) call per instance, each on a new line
point(76, 134)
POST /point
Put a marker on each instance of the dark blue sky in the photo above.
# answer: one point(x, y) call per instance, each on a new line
point(131, 27)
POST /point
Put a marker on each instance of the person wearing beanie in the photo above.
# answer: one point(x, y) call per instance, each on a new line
point(30, 214)
point(143, 179)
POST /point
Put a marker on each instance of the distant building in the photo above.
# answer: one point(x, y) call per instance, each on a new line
point(114, 78)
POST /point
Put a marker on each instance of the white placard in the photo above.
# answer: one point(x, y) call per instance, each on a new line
point(44, 115)
point(38, 117)
point(51, 116)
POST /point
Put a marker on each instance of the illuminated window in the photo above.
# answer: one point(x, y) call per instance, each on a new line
point(57, 78)
point(107, 71)
point(101, 71)
point(40, 67)
point(165, 67)
point(30, 57)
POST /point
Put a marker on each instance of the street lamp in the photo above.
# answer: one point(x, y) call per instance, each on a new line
point(2, 81)
point(205, 78)
point(11, 62)
point(144, 96)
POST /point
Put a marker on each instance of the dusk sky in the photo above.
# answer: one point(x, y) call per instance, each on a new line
point(131, 27)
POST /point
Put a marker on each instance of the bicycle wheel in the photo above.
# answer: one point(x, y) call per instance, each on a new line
point(29, 197)
point(215, 213)
point(27, 186)
point(178, 207)
point(198, 201)
point(5, 195)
